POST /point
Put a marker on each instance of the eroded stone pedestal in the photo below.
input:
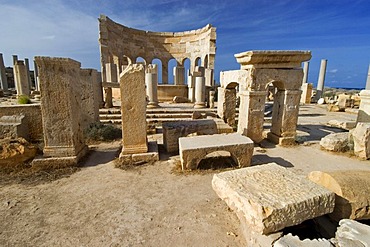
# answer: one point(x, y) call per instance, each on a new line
point(270, 197)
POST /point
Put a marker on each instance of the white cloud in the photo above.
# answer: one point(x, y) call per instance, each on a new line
point(47, 28)
point(333, 71)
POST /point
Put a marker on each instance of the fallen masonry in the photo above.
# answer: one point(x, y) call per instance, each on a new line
point(194, 149)
point(269, 197)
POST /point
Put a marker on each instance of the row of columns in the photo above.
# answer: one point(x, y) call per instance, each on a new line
point(196, 84)
point(22, 76)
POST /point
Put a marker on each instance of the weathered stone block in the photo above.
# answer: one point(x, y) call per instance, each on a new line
point(172, 131)
point(16, 151)
point(13, 127)
point(361, 140)
point(336, 142)
point(194, 149)
point(352, 189)
point(270, 197)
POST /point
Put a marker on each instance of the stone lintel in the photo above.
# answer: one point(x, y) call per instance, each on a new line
point(57, 60)
point(272, 59)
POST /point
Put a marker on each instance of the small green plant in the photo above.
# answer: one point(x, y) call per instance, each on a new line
point(24, 99)
point(103, 132)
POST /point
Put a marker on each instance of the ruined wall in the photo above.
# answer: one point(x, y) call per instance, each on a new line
point(118, 41)
point(33, 118)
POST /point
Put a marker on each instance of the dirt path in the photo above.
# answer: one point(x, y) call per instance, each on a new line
point(105, 206)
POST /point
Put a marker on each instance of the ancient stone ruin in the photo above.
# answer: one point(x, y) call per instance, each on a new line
point(252, 112)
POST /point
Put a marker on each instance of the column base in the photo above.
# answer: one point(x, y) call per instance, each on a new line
point(200, 105)
point(152, 105)
point(59, 162)
point(140, 158)
point(281, 140)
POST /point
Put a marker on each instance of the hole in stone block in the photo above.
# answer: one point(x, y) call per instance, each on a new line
point(217, 160)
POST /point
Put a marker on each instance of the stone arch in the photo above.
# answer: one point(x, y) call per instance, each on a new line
point(186, 64)
point(140, 59)
point(172, 63)
point(205, 61)
point(194, 161)
point(219, 159)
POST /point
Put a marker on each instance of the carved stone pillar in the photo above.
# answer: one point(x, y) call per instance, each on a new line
point(285, 117)
point(251, 114)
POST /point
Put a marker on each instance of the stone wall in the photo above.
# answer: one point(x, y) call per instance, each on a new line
point(119, 43)
point(168, 92)
point(33, 118)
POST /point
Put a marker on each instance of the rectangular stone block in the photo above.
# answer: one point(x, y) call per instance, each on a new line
point(194, 149)
point(270, 197)
point(172, 131)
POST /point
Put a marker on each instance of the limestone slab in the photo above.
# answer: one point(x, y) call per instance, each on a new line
point(352, 189)
point(194, 149)
point(269, 197)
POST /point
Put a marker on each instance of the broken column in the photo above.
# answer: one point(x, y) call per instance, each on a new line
point(200, 88)
point(21, 78)
point(321, 81)
point(133, 107)
point(61, 111)
point(3, 79)
point(305, 72)
point(352, 189)
point(226, 105)
point(151, 82)
point(179, 75)
point(36, 76)
point(27, 64)
point(191, 87)
point(306, 93)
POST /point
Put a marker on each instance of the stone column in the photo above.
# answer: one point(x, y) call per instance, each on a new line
point(321, 81)
point(133, 108)
point(27, 64)
point(285, 117)
point(226, 105)
point(89, 110)
point(99, 90)
point(3, 79)
point(200, 90)
point(179, 75)
point(61, 107)
point(306, 93)
point(305, 72)
point(15, 59)
point(364, 110)
point(111, 76)
point(21, 78)
point(151, 81)
point(191, 87)
point(36, 76)
point(251, 114)
point(368, 80)
point(208, 75)
point(212, 99)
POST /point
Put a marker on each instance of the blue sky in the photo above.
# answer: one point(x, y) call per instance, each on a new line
point(335, 30)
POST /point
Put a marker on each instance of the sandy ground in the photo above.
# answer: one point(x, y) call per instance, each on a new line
point(150, 205)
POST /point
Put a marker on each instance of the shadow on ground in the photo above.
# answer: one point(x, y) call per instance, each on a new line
point(316, 132)
point(260, 159)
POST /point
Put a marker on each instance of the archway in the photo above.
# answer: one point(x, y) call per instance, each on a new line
point(140, 60)
point(218, 160)
point(171, 65)
point(186, 64)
